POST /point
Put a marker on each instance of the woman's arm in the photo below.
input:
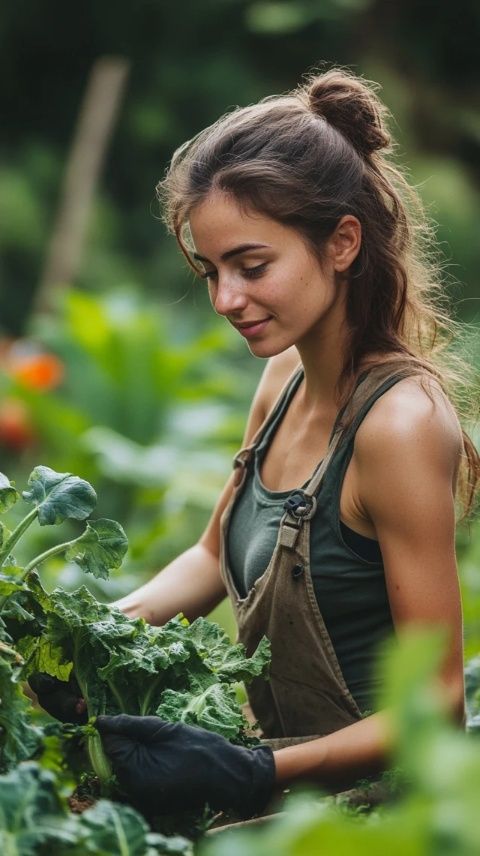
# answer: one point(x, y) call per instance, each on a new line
point(191, 583)
point(406, 459)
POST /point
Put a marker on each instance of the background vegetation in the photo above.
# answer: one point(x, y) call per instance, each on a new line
point(123, 375)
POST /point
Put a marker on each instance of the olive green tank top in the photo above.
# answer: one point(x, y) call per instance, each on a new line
point(347, 568)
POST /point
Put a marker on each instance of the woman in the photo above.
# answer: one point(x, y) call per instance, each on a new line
point(337, 525)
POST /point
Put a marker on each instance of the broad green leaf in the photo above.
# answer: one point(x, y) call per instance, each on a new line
point(8, 494)
point(31, 814)
point(42, 655)
point(214, 708)
point(128, 666)
point(24, 604)
point(9, 583)
point(100, 548)
point(39, 595)
point(228, 661)
point(113, 830)
point(34, 821)
point(13, 610)
point(168, 845)
point(59, 496)
point(18, 738)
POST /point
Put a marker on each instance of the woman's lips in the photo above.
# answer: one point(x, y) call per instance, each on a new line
point(253, 329)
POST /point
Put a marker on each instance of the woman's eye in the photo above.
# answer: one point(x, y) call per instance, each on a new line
point(248, 273)
point(253, 272)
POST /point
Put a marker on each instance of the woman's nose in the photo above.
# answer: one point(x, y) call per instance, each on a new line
point(228, 296)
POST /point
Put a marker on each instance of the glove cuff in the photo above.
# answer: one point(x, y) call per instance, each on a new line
point(262, 783)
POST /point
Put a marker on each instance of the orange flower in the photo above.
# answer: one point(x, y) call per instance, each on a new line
point(38, 371)
point(16, 432)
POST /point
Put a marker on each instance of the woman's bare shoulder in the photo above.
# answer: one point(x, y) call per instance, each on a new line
point(414, 412)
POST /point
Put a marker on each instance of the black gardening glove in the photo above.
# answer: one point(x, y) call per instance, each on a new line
point(61, 699)
point(168, 767)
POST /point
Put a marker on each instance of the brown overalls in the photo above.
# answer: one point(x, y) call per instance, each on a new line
point(306, 695)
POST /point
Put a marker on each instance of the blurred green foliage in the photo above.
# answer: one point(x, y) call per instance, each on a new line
point(155, 392)
point(150, 411)
point(430, 803)
point(190, 62)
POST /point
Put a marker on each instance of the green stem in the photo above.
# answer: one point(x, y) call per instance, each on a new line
point(11, 845)
point(116, 695)
point(11, 652)
point(121, 837)
point(99, 760)
point(17, 534)
point(148, 695)
point(42, 557)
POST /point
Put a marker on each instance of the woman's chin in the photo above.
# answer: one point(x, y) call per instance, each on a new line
point(265, 350)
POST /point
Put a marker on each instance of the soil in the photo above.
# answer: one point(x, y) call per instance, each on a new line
point(85, 795)
point(79, 804)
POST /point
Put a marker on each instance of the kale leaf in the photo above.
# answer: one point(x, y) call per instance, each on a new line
point(35, 822)
point(100, 548)
point(18, 738)
point(181, 671)
point(8, 494)
point(59, 496)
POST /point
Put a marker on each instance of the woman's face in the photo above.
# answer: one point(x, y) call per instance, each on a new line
point(262, 276)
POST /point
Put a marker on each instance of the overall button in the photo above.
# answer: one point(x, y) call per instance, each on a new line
point(297, 571)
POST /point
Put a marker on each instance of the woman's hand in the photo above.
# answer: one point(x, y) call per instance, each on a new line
point(167, 767)
point(61, 699)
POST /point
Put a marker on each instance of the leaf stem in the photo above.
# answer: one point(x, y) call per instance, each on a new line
point(116, 694)
point(42, 557)
point(12, 653)
point(99, 760)
point(17, 533)
point(148, 695)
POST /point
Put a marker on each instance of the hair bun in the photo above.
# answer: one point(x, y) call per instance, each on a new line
point(352, 107)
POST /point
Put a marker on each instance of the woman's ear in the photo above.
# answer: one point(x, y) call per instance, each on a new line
point(345, 243)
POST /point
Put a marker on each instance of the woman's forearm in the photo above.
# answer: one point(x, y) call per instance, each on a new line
point(339, 759)
point(191, 584)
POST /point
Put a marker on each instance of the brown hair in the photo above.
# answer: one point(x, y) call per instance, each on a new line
point(307, 158)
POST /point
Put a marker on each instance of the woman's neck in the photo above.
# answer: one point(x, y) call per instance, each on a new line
point(322, 353)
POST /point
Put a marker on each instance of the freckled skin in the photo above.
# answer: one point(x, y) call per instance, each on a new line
point(304, 299)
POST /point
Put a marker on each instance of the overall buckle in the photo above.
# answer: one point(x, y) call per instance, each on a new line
point(301, 505)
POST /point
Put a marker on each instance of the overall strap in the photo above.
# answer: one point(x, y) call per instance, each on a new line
point(301, 505)
point(243, 456)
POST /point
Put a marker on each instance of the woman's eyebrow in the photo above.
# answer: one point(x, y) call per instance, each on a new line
point(242, 248)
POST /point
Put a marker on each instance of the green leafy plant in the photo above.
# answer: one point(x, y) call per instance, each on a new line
point(181, 671)
point(19, 739)
point(432, 791)
point(57, 497)
point(34, 820)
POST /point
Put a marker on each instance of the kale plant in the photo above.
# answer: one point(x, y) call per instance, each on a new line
point(181, 671)
point(34, 822)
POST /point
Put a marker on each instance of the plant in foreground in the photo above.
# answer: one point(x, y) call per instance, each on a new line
point(34, 820)
point(182, 672)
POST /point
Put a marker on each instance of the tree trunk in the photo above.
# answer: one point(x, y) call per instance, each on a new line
point(94, 128)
